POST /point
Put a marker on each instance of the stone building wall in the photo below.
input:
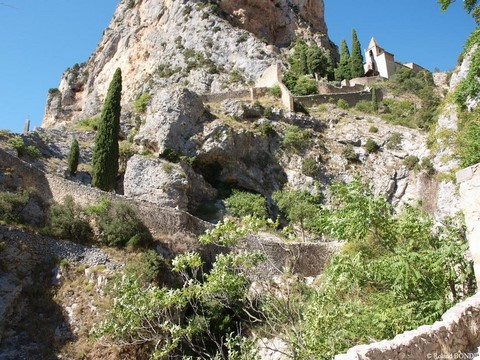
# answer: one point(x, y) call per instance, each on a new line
point(469, 181)
point(350, 98)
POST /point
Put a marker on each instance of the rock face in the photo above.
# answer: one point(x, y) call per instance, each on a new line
point(163, 43)
point(274, 20)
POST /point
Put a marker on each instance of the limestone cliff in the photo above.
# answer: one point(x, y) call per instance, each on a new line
point(207, 47)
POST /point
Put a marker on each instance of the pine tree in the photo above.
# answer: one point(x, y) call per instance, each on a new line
point(298, 62)
point(356, 60)
point(343, 69)
point(73, 156)
point(106, 151)
point(317, 61)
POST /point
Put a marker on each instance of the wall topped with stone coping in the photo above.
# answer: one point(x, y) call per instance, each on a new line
point(456, 336)
point(350, 98)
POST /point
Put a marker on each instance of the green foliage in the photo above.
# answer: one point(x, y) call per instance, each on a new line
point(469, 143)
point(394, 275)
point(411, 162)
point(373, 129)
point(147, 267)
point(364, 106)
point(170, 155)
point(70, 221)
point(106, 151)
point(205, 316)
point(88, 124)
point(394, 141)
point(12, 205)
point(349, 154)
point(470, 86)
point(343, 104)
point(310, 167)
point(299, 208)
point(427, 166)
point(118, 224)
point(356, 60)
point(343, 71)
point(471, 6)
point(22, 149)
point(142, 102)
point(295, 139)
point(399, 112)
point(275, 91)
point(242, 203)
point(305, 86)
point(374, 100)
point(371, 146)
point(73, 157)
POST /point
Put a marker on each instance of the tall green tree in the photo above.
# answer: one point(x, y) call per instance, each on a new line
point(298, 61)
point(356, 60)
point(318, 61)
point(73, 157)
point(106, 151)
point(343, 70)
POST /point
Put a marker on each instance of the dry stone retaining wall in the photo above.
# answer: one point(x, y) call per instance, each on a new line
point(456, 336)
point(350, 98)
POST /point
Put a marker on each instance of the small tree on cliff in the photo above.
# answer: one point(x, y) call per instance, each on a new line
point(106, 151)
point(343, 70)
point(356, 60)
point(73, 156)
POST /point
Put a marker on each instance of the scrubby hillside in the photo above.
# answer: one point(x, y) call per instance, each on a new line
point(238, 229)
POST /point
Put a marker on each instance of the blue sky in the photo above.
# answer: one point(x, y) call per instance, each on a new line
point(39, 39)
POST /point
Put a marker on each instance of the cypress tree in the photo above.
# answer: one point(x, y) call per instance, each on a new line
point(299, 63)
point(317, 61)
point(73, 156)
point(343, 69)
point(106, 152)
point(374, 100)
point(356, 60)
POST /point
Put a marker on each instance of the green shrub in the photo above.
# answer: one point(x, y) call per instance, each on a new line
point(394, 141)
point(305, 86)
point(88, 124)
point(22, 149)
point(411, 161)
point(268, 112)
point(170, 155)
point(427, 166)
point(469, 143)
point(275, 91)
point(364, 106)
point(310, 167)
point(118, 224)
point(242, 203)
point(373, 129)
point(12, 205)
point(295, 139)
point(371, 146)
point(343, 104)
point(142, 102)
point(349, 154)
point(69, 221)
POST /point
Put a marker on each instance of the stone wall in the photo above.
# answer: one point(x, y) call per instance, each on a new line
point(456, 336)
point(273, 76)
point(327, 89)
point(160, 221)
point(469, 181)
point(244, 94)
point(350, 98)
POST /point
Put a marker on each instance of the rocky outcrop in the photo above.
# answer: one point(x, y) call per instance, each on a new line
point(159, 44)
point(275, 21)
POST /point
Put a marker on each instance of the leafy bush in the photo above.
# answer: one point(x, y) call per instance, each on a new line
point(371, 146)
point(373, 129)
point(275, 91)
point(170, 155)
point(142, 102)
point(394, 141)
point(305, 86)
point(310, 167)
point(364, 106)
point(70, 221)
point(468, 141)
point(349, 153)
point(118, 225)
point(427, 166)
point(295, 139)
point(411, 161)
point(88, 124)
point(242, 203)
point(22, 149)
point(12, 205)
point(343, 104)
